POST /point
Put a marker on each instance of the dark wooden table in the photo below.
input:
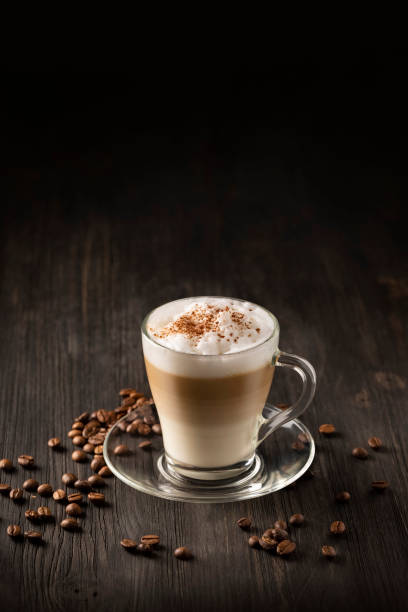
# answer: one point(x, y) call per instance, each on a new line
point(285, 189)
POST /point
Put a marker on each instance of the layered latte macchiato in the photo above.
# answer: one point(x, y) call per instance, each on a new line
point(209, 363)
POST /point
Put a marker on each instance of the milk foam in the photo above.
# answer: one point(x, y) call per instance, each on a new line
point(239, 326)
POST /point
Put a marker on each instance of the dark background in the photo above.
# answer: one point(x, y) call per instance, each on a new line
point(288, 188)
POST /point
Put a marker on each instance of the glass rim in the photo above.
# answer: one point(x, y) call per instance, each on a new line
point(275, 330)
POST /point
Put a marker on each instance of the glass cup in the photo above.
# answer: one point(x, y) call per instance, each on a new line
point(210, 406)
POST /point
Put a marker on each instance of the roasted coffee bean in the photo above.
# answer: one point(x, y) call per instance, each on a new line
point(73, 510)
point(286, 547)
point(129, 544)
point(380, 485)
point(70, 524)
point(149, 419)
point(33, 536)
point(16, 494)
point(75, 498)
point(279, 534)
point(105, 472)
point(244, 522)
point(45, 490)
point(302, 437)
point(337, 527)
point(280, 524)
point(92, 416)
point(253, 542)
point(267, 543)
point(327, 429)
point(44, 512)
point(298, 446)
point(183, 553)
point(97, 439)
point(79, 455)
point(14, 531)
point(69, 479)
point(329, 552)
point(122, 425)
point(88, 448)
point(102, 416)
point(150, 539)
point(91, 429)
point(4, 488)
point(54, 442)
point(145, 445)
point(143, 429)
point(6, 465)
point(83, 417)
point(98, 450)
point(96, 481)
point(156, 428)
point(30, 484)
point(343, 496)
point(59, 495)
point(374, 443)
point(32, 515)
point(132, 427)
point(82, 485)
point(78, 425)
point(72, 433)
point(360, 453)
point(297, 519)
point(97, 463)
point(128, 402)
point(26, 460)
point(79, 440)
point(96, 498)
point(129, 391)
point(121, 449)
point(144, 548)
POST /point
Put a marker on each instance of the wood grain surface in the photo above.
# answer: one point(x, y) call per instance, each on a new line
point(270, 191)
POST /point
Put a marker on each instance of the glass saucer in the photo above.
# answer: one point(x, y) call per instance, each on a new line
point(277, 464)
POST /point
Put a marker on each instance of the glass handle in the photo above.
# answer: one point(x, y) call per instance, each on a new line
point(307, 373)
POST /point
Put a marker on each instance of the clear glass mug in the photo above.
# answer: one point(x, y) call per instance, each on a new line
point(210, 406)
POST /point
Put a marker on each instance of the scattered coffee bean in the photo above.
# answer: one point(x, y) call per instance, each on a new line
point(79, 455)
point(4, 488)
point(128, 401)
point(72, 433)
point(96, 498)
point(82, 485)
point(32, 515)
point(97, 463)
point(279, 534)
point(143, 429)
point(44, 512)
point(144, 548)
point(253, 542)
point(121, 449)
point(150, 539)
point(129, 544)
point(6, 465)
point(329, 552)
point(97, 439)
point(33, 536)
point(149, 419)
point(374, 443)
point(91, 429)
point(286, 547)
point(54, 442)
point(129, 391)
point(83, 417)
point(298, 446)
point(45, 490)
point(132, 428)
point(73, 510)
point(26, 460)
point(380, 485)
point(59, 495)
point(302, 437)
point(343, 496)
point(267, 542)
point(122, 425)
point(16, 494)
point(96, 481)
point(79, 440)
point(98, 450)
point(337, 527)
point(244, 522)
point(69, 479)
point(88, 448)
point(327, 429)
point(280, 524)
point(31, 484)
point(145, 445)
point(105, 472)
point(360, 453)
point(78, 425)
point(14, 531)
point(297, 519)
point(70, 524)
point(156, 428)
point(183, 553)
point(75, 498)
